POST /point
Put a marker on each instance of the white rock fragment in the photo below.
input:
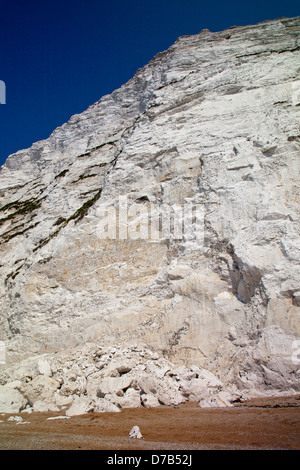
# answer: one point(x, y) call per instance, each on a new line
point(80, 406)
point(27, 410)
point(130, 399)
point(114, 384)
point(135, 433)
point(44, 368)
point(51, 418)
point(17, 420)
point(42, 406)
point(149, 401)
point(11, 399)
point(104, 406)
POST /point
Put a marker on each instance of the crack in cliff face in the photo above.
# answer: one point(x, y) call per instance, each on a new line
point(174, 339)
point(83, 210)
point(78, 215)
point(245, 280)
point(28, 206)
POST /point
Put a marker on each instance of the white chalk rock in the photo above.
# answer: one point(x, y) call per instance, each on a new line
point(17, 419)
point(149, 401)
point(44, 368)
point(135, 433)
point(11, 400)
point(101, 405)
point(80, 406)
point(210, 126)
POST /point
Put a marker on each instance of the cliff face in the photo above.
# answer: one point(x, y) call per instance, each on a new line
point(208, 129)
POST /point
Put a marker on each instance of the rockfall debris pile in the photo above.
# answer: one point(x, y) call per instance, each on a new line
point(106, 379)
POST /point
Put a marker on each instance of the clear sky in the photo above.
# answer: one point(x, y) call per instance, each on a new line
point(58, 57)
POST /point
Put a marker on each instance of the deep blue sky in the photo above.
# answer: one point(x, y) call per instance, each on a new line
point(59, 57)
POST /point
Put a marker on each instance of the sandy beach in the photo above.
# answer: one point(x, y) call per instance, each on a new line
point(255, 425)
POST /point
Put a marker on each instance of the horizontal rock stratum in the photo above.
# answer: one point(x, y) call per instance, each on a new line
point(166, 216)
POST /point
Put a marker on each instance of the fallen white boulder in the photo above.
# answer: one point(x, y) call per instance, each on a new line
point(101, 405)
point(135, 433)
point(17, 419)
point(11, 400)
point(149, 401)
point(80, 406)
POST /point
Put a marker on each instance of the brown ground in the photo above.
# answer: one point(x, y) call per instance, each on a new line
point(258, 424)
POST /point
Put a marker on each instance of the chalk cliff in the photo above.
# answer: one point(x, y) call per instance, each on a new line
point(207, 131)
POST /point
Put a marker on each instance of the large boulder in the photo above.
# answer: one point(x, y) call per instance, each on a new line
point(80, 406)
point(114, 385)
point(11, 399)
